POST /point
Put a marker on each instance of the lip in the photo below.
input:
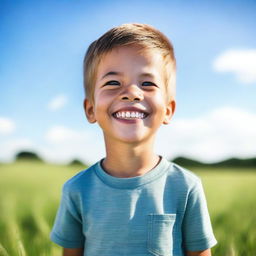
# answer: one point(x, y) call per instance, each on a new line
point(134, 109)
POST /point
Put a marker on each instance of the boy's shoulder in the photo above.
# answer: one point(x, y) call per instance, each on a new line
point(79, 180)
point(183, 176)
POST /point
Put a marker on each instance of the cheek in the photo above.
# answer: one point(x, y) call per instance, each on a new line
point(160, 108)
point(102, 105)
point(105, 95)
point(159, 102)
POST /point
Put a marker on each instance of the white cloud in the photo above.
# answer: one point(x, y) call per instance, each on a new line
point(61, 134)
point(7, 126)
point(64, 144)
point(240, 62)
point(58, 102)
point(223, 133)
point(9, 148)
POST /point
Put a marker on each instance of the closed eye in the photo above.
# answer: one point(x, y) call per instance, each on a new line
point(147, 83)
point(112, 82)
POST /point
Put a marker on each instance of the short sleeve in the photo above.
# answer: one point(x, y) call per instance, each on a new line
point(67, 229)
point(197, 230)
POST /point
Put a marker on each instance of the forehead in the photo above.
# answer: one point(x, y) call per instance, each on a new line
point(132, 58)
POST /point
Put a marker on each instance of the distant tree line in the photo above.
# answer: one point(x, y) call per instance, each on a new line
point(27, 155)
point(232, 162)
point(32, 156)
point(183, 161)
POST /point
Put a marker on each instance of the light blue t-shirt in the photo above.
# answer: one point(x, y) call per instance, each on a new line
point(161, 213)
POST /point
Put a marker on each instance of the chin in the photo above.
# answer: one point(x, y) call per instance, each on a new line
point(133, 139)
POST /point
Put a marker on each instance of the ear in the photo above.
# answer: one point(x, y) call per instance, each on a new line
point(170, 108)
point(89, 111)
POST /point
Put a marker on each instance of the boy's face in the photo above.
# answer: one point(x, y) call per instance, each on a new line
point(130, 95)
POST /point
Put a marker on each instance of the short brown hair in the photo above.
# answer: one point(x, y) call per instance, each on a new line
point(129, 34)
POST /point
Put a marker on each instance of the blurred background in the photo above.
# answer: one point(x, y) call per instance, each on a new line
point(41, 87)
point(41, 115)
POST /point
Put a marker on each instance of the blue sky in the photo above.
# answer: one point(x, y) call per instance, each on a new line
point(42, 47)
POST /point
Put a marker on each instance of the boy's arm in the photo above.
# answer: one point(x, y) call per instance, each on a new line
point(199, 253)
point(73, 252)
point(196, 226)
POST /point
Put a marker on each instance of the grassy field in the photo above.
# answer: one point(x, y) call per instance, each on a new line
point(30, 193)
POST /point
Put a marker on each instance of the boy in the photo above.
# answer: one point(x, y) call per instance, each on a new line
point(133, 202)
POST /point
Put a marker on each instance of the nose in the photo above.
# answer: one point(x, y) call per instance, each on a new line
point(132, 93)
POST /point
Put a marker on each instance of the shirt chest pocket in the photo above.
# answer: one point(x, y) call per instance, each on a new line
point(160, 233)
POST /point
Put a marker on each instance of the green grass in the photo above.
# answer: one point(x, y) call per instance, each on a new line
point(231, 197)
point(30, 194)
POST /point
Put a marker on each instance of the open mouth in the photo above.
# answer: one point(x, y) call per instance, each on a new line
point(130, 115)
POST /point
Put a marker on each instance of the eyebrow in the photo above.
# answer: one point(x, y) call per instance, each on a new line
point(111, 73)
point(115, 73)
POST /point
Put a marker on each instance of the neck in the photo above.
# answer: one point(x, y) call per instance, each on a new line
point(128, 160)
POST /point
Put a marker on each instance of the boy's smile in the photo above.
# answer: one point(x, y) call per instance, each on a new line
point(130, 101)
point(131, 113)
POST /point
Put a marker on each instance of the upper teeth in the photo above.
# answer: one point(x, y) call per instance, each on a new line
point(130, 115)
